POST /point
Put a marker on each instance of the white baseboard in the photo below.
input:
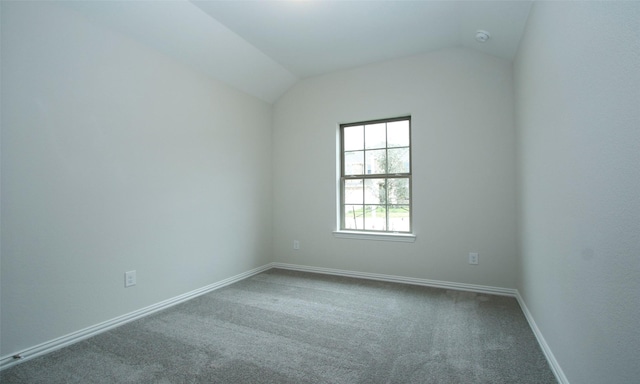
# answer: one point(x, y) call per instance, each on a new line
point(551, 359)
point(401, 279)
point(60, 342)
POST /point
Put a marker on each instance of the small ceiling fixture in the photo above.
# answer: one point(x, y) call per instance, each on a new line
point(482, 36)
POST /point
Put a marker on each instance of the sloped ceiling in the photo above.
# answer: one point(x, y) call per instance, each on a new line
point(264, 47)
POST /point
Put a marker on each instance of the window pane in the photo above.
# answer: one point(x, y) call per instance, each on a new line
point(399, 219)
point(375, 218)
point(375, 136)
point(398, 160)
point(353, 138)
point(398, 191)
point(353, 217)
point(353, 191)
point(398, 133)
point(375, 191)
point(354, 163)
point(376, 163)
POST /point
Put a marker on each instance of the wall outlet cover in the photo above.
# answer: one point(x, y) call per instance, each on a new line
point(129, 279)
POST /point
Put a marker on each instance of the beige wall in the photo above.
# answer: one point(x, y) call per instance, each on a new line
point(463, 139)
point(577, 77)
point(117, 158)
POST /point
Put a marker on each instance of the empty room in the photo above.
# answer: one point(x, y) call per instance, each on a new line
point(320, 192)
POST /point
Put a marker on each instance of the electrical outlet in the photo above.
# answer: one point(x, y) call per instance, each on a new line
point(129, 279)
point(296, 244)
point(473, 258)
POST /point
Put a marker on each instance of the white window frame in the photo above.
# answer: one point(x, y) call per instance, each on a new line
point(368, 234)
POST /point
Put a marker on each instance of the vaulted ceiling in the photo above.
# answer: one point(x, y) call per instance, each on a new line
point(264, 47)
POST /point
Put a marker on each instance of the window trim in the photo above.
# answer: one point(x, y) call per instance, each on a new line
point(400, 237)
point(368, 234)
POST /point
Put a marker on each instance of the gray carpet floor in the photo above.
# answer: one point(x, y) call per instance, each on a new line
point(294, 327)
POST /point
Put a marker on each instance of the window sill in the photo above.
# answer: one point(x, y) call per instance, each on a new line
point(398, 237)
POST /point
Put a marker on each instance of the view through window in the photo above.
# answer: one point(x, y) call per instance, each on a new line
point(376, 175)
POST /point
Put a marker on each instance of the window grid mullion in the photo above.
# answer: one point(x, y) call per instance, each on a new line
point(364, 205)
point(386, 203)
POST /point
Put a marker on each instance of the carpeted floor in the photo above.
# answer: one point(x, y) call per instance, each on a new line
point(293, 327)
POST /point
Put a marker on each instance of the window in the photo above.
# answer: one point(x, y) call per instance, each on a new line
point(375, 176)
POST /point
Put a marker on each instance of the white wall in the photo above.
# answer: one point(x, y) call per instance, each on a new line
point(117, 158)
point(461, 103)
point(577, 77)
